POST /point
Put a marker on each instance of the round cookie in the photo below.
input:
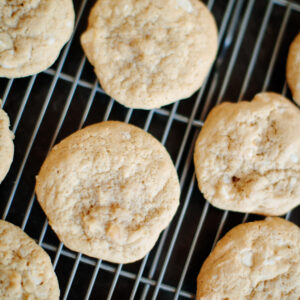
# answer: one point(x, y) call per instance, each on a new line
point(6, 145)
point(108, 191)
point(32, 33)
point(25, 268)
point(257, 260)
point(247, 156)
point(293, 68)
point(149, 53)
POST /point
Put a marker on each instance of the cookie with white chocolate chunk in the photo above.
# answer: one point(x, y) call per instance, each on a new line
point(25, 268)
point(32, 33)
point(108, 191)
point(6, 144)
point(293, 68)
point(247, 156)
point(149, 53)
point(256, 260)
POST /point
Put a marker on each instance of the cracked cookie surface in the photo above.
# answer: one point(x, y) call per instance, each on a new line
point(6, 145)
point(293, 68)
point(108, 191)
point(256, 260)
point(25, 268)
point(32, 33)
point(247, 156)
point(149, 53)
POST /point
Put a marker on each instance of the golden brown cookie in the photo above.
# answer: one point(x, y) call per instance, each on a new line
point(257, 260)
point(247, 156)
point(149, 53)
point(293, 68)
point(32, 33)
point(6, 145)
point(108, 191)
point(25, 268)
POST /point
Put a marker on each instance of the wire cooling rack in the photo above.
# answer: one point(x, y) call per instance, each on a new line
point(254, 37)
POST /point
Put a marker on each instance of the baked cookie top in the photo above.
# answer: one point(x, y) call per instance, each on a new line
point(6, 144)
point(25, 268)
point(149, 53)
point(32, 33)
point(108, 191)
point(293, 68)
point(257, 260)
point(247, 156)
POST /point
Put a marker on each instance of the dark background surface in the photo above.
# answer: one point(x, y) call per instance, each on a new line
point(50, 106)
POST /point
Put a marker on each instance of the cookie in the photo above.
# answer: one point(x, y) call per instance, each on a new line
point(32, 33)
point(25, 268)
point(108, 191)
point(247, 156)
point(293, 68)
point(6, 144)
point(257, 260)
point(149, 53)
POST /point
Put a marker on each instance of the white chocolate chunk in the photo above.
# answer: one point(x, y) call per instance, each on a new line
point(226, 179)
point(51, 41)
point(186, 5)
point(247, 257)
point(294, 158)
point(5, 42)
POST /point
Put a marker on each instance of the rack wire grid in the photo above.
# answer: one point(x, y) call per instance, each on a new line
point(254, 37)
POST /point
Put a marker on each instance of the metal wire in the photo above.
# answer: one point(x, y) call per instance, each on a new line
point(6, 92)
point(123, 273)
point(234, 24)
